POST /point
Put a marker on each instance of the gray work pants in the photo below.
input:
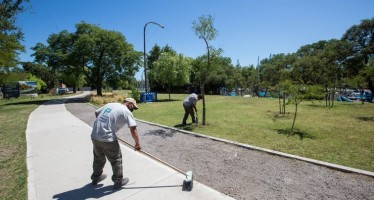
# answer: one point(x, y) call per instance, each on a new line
point(112, 152)
point(188, 110)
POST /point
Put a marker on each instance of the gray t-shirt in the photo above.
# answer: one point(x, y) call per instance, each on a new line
point(111, 118)
point(190, 100)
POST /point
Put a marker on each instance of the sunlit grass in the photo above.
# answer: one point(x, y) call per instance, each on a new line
point(14, 114)
point(109, 97)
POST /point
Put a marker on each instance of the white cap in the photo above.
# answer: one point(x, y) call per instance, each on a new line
point(132, 100)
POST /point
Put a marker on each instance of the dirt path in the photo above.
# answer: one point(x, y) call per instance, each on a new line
point(239, 172)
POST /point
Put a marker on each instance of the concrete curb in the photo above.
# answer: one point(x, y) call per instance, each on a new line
point(277, 153)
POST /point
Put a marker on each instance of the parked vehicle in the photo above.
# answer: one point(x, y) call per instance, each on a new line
point(62, 90)
point(364, 95)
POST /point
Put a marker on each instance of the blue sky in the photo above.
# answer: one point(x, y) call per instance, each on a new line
point(248, 29)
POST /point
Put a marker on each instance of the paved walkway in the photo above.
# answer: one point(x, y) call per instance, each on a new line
point(59, 162)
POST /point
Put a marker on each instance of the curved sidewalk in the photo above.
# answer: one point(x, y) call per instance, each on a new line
point(59, 162)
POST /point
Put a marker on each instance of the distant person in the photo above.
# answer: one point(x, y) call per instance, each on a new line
point(189, 105)
point(109, 119)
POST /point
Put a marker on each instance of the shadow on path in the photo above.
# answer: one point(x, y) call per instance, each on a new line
point(86, 192)
point(161, 133)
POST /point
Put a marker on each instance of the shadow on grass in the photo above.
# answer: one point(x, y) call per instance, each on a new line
point(290, 133)
point(317, 105)
point(36, 102)
point(354, 103)
point(367, 119)
point(44, 101)
point(167, 100)
point(188, 127)
point(77, 100)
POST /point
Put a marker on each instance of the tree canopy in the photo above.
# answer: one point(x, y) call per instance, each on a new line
point(10, 35)
point(171, 69)
point(362, 39)
point(97, 53)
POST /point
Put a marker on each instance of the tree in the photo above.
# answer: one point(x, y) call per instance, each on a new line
point(309, 68)
point(71, 78)
point(171, 70)
point(10, 35)
point(333, 57)
point(221, 74)
point(205, 30)
point(95, 52)
point(320, 64)
point(57, 58)
point(362, 38)
point(250, 80)
point(234, 77)
point(120, 81)
point(368, 72)
point(41, 71)
point(277, 68)
point(40, 84)
point(104, 53)
point(154, 54)
point(297, 94)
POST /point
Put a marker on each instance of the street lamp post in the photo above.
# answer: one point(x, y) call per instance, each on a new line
point(145, 58)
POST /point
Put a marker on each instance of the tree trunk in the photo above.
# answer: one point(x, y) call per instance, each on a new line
point(205, 78)
point(99, 89)
point(371, 86)
point(203, 94)
point(284, 103)
point(279, 102)
point(326, 97)
point(169, 92)
point(99, 84)
point(74, 89)
point(294, 119)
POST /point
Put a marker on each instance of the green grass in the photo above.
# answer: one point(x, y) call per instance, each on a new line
point(342, 135)
point(14, 114)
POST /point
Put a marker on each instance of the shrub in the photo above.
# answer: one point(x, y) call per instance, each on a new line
point(135, 93)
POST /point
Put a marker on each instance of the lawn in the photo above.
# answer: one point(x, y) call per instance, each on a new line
point(343, 134)
point(14, 114)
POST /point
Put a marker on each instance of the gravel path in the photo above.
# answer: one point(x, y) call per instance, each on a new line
point(239, 172)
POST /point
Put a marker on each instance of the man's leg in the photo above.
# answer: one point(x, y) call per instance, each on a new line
point(114, 155)
point(186, 113)
point(192, 113)
point(98, 163)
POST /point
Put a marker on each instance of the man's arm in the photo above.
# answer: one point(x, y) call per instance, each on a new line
point(194, 103)
point(194, 107)
point(134, 133)
point(98, 111)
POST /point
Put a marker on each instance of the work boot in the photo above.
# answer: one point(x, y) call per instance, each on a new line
point(119, 184)
point(101, 178)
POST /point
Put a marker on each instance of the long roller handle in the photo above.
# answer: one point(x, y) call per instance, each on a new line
point(153, 157)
